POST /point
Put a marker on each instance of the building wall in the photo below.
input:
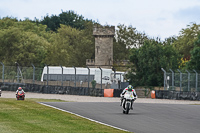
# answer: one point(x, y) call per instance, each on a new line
point(104, 46)
point(103, 51)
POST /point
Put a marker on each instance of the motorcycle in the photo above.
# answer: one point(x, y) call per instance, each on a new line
point(20, 95)
point(126, 105)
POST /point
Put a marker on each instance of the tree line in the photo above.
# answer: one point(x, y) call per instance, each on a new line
point(66, 39)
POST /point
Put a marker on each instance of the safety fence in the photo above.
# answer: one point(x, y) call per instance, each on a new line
point(177, 80)
point(34, 75)
point(33, 79)
point(180, 85)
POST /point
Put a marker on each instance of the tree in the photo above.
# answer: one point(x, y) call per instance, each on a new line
point(70, 47)
point(68, 18)
point(194, 62)
point(125, 39)
point(23, 42)
point(185, 42)
point(148, 61)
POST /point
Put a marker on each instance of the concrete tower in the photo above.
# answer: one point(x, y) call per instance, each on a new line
point(104, 46)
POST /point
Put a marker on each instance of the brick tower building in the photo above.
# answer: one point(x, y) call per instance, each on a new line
point(103, 47)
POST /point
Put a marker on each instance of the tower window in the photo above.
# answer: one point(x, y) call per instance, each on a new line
point(97, 47)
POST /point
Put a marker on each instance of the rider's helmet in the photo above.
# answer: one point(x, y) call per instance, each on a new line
point(130, 88)
point(19, 88)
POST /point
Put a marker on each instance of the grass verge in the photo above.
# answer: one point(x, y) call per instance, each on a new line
point(28, 116)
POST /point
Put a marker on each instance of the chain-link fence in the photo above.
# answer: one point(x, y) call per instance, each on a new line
point(62, 76)
point(182, 81)
point(22, 75)
point(180, 85)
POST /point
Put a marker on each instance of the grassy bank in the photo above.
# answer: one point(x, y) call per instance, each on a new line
point(31, 117)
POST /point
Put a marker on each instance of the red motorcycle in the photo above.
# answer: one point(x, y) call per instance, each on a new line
point(20, 95)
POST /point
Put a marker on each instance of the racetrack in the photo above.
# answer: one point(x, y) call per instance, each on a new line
point(148, 116)
point(145, 118)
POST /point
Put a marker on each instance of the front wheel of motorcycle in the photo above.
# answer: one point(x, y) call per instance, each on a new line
point(124, 112)
point(127, 108)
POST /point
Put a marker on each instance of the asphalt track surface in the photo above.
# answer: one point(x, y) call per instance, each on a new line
point(144, 118)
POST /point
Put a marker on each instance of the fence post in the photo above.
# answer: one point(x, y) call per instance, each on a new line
point(164, 77)
point(33, 73)
point(120, 81)
point(17, 72)
point(75, 77)
point(47, 73)
point(62, 76)
point(196, 79)
point(88, 76)
point(188, 79)
point(172, 78)
point(2, 72)
point(101, 76)
point(180, 79)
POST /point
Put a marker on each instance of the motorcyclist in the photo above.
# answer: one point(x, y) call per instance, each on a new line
point(128, 88)
point(20, 89)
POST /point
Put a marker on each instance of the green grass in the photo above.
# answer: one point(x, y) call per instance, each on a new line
point(28, 116)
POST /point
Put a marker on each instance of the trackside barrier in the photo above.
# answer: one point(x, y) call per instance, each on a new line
point(63, 90)
point(177, 95)
point(108, 92)
point(112, 92)
point(117, 92)
point(55, 89)
point(153, 94)
point(69, 90)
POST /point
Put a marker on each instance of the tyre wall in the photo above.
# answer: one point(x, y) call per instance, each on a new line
point(178, 95)
point(54, 89)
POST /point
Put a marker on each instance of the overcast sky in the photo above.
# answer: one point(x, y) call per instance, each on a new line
point(157, 18)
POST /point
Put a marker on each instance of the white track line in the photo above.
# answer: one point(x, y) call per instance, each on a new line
point(84, 117)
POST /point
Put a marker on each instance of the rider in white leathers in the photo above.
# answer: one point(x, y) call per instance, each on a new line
point(128, 88)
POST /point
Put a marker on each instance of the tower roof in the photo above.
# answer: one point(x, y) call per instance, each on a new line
point(104, 30)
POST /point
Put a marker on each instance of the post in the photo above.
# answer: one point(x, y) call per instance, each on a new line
point(75, 76)
point(17, 72)
point(2, 72)
point(172, 78)
point(61, 76)
point(101, 76)
point(120, 81)
point(47, 73)
point(88, 77)
point(196, 79)
point(114, 72)
point(188, 79)
point(180, 79)
point(33, 73)
point(164, 77)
